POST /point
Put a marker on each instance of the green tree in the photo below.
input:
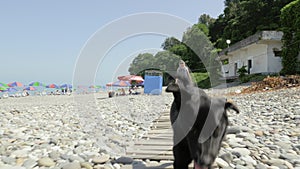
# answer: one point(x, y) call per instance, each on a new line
point(243, 18)
point(141, 62)
point(199, 48)
point(290, 19)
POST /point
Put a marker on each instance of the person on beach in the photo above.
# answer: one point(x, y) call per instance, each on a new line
point(183, 72)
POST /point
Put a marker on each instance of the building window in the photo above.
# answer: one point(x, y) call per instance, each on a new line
point(277, 52)
point(249, 66)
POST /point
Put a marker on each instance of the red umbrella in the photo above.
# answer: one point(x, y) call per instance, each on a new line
point(131, 78)
point(120, 83)
point(137, 78)
point(52, 86)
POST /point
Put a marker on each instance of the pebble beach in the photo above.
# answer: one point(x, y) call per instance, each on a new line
point(93, 131)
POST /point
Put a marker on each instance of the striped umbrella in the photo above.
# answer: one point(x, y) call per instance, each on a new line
point(15, 84)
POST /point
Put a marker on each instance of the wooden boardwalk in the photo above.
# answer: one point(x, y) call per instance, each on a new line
point(157, 143)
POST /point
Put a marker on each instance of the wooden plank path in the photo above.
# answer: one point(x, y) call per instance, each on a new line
point(157, 143)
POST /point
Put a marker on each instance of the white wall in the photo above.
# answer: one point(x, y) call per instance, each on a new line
point(255, 52)
point(274, 63)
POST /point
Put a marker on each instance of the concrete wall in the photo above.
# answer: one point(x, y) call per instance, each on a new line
point(257, 53)
point(274, 62)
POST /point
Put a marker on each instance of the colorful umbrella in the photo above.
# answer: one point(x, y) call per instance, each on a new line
point(131, 77)
point(120, 83)
point(2, 88)
point(30, 88)
point(52, 86)
point(136, 78)
point(66, 86)
point(11, 89)
point(3, 85)
point(15, 84)
point(36, 84)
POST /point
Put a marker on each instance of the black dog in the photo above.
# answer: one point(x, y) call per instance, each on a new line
point(199, 123)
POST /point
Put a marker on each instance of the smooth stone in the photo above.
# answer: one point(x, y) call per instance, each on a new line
point(46, 162)
point(73, 165)
point(54, 155)
point(101, 159)
point(289, 165)
point(11, 167)
point(76, 158)
point(273, 167)
point(259, 133)
point(222, 163)
point(127, 167)
point(227, 157)
point(242, 151)
point(65, 156)
point(260, 166)
point(124, 160)
point(275, 162)
point(284, 145)
point(29, 163)
point(86, 165)
point(9, 160)
point(116, 166)
point(289, 156)
point(108, 166)
point(249, 160)
point(19, 154)
point(233, 130)
point(241, 167)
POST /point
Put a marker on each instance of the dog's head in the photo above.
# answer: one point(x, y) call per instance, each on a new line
point(173, 87)
point(207, 151)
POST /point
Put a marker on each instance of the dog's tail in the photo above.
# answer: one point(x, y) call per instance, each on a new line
point(231, 105)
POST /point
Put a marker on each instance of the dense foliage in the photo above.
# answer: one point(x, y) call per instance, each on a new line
point(290, 19)
point(243, 18)
point(194, 48)
point(164, 61)
point(240, 19)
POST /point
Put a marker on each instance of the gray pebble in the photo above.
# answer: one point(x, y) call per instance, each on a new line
point(124, 160)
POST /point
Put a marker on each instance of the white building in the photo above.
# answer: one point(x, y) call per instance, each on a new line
point(260, 53)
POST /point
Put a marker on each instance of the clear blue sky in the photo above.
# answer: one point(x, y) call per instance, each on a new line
point(41, 40)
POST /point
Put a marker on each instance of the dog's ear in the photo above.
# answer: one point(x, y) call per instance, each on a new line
point(172, 87)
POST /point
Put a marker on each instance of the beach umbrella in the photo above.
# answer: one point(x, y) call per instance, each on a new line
point(15, 84)
point(3, 85)
point(66, 86)
point(30, 88)
point(3, 88)
point(11, 89)
point(136, 78)
point(121, 83)
point(52, 86)
point(36, 84)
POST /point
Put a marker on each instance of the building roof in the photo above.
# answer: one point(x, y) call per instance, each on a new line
point(263, 35)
